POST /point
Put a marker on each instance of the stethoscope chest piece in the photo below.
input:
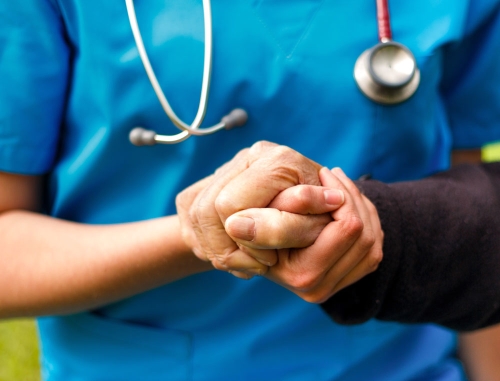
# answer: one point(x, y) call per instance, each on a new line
point(387, 73)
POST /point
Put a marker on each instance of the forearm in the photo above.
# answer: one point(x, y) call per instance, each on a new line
point(478, 351)
point(441, 253)
point(51, 266)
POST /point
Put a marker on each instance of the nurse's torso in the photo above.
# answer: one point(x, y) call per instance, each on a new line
point(289, 64)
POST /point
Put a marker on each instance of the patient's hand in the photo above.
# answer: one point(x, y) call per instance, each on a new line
point(314, 263)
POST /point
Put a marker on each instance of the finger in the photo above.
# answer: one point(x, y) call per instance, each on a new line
point(203, 210)
point(368, 265)
point(366, 254)
point(239, 274)
point(238, 261)
point(183, 202)
point(372, 260)
point(348, 184)
point(277, 170)
point(268, 228)
point(304, 269)
point(267, 257)
point(308, 199)
point(208, 227)
point(352, 266)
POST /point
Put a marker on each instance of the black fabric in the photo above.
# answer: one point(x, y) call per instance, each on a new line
point(441, 253)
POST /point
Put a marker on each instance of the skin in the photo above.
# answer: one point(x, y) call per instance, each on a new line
point(251, 180)
point(51, 266)
point(479, 352)
point(284, 247)
point(348, 247)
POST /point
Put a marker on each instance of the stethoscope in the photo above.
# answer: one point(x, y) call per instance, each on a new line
point(386, 74)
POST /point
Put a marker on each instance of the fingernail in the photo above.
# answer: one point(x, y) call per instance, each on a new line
point(241, 275)
point(241, 227)
point(334, 197)
point(264, 262)
point(338, 171)
point(254, 272)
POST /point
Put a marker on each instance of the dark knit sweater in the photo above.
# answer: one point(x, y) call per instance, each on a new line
point(441, 253)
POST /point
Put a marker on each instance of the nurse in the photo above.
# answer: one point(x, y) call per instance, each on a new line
point(83, 228)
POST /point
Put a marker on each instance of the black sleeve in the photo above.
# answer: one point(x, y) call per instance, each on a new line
point(441, 253)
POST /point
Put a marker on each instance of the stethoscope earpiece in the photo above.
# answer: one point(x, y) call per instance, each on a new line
point(386, 73)
point(142, 137)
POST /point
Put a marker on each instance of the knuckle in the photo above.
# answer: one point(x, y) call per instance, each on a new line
point(303, 282)
point(282, 150)
point(193, 216)
point(354, 226)
point(374, 259)
point(259, 147)
point(201, 211)
point(316, 297)
point(368, 239)
point(221, 169)
point(227, 256)
point(219, 265)
point(276, 231)
point(284, 154)
point(224, 204)
point(354, 190)
point(242, 154)
point(303, 197)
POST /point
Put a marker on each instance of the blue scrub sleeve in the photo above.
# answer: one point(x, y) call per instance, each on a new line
point(34, 60)
point(471, 81)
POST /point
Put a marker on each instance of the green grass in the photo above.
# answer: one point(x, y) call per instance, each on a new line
point(18, 351)
point(491, 152)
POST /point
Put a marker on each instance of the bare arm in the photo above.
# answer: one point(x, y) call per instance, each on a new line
point(479, 351)
point(51, 266)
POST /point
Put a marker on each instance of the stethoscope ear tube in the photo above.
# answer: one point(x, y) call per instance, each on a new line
point(142, 137)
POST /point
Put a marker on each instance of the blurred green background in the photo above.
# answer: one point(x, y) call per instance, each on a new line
point(19, 350)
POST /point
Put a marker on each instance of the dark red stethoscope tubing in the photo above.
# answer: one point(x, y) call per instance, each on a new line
point(384, 22)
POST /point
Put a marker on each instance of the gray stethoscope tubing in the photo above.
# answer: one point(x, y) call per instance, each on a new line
point(386, 73)
point(140, 136)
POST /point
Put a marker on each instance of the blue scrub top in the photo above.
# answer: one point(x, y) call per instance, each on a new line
point(73, 87)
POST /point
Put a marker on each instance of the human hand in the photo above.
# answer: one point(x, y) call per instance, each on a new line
point(251, 180)
point(346, 250)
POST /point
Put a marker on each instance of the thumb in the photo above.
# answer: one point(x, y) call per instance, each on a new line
point(308, 199)
point(268, 228)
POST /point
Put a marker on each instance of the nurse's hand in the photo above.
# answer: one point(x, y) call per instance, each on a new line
point(251, 180)
point(346, 250)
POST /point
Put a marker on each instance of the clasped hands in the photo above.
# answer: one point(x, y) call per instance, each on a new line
point(270, 211)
